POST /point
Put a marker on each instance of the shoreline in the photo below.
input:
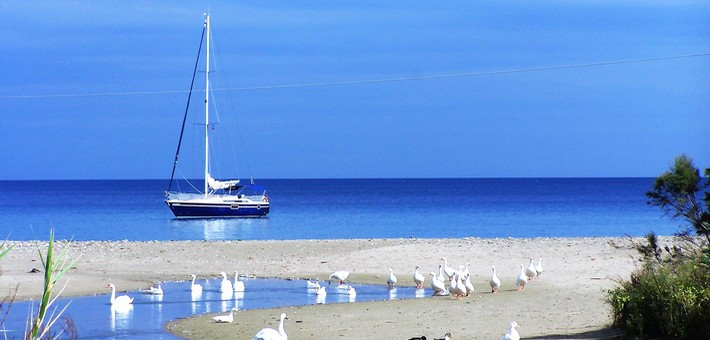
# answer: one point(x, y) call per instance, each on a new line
point(577, 271)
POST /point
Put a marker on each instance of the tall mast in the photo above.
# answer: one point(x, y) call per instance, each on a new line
point(207, 114)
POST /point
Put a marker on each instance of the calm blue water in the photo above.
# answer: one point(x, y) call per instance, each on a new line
point(95, 318)
point(340, 208)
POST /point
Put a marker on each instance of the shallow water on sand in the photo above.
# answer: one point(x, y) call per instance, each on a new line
point(95, 318)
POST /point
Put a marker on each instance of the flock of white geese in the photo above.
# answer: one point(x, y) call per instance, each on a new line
point(459, 286)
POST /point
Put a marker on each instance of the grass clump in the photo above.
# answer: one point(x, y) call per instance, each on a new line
point(665, 299)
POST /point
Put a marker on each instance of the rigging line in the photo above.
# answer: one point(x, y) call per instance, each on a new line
point(369, 81)
point(187, 106)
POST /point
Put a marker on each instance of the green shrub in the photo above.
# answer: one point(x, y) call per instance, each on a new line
point(665, 299)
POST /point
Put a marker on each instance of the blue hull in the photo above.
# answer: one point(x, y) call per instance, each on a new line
point(199, 210)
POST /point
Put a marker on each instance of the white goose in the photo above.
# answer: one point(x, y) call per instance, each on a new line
point(238, 286)
point(521, 280)
point(539, 267)
point(530, 271)
point(340, 275)
point(437, 285)
point(441, 276)
point(272, 334)
point(449, 271)
point(469, 286)
point(156, 289)
point(313, 285)
point(226, 285)
point(512, 332)
point(391, 279)
point(494, 281)
point(196, 288)
point(225, 318)
point(118, 300)
point(418, 278)
point(457, 289)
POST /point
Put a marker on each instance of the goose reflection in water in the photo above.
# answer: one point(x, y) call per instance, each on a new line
point(320, 299)
point(121, 317)
point(393, 293)
point(419, 293)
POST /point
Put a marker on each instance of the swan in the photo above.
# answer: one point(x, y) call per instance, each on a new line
point(449, 271)
point(118, 300)
point(440, 276)
point(340, 275)
point(226, 284)
point(494, 281)
point(225, 318)
point(313, 285)
point(156, 289)
point(272, 334)
point(321, 291)
point(196, 288)
point(469, 286)
point(530, 271)
point(521, 280)
point(418, 278)
point(512, 333)
point(437, 285)
point(538, 268)
point(238, 285)
point(391, 279)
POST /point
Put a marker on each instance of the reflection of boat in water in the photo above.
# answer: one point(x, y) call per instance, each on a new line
point(221, 198)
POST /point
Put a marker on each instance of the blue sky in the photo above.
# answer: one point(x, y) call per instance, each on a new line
point(621, 120)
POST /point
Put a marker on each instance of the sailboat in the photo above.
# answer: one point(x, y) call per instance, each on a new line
point(220, 198)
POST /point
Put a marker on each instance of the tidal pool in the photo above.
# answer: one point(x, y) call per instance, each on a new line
point(95, 318)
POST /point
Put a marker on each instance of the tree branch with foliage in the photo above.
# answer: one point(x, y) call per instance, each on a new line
point(680, 192)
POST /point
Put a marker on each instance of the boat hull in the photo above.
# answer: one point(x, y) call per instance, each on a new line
point(187, 209)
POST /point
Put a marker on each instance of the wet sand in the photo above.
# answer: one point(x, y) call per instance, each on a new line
point(566, 300)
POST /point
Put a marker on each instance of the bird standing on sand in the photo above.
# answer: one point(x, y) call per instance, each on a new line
point(440, 276)
point(469, 286)
point(225, 318)
point(418, 278)
point(272, 334)
point(521, 280)
point(530, 271)
point(494, 281)
point(447, 336)
point(538, 268)
point(340, 275)
point(437, 285)
point(449, 271)
point(391, 279)
point(512, 332)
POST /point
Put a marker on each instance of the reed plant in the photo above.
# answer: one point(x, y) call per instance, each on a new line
point(55, 266)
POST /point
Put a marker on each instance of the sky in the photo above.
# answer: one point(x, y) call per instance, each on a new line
point(97, 89)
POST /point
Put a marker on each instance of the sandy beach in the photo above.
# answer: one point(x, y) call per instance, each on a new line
point(566, 301)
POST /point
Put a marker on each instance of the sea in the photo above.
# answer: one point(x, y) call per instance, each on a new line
point(341, 209)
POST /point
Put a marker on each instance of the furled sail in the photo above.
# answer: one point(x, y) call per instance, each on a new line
point(217, 184)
